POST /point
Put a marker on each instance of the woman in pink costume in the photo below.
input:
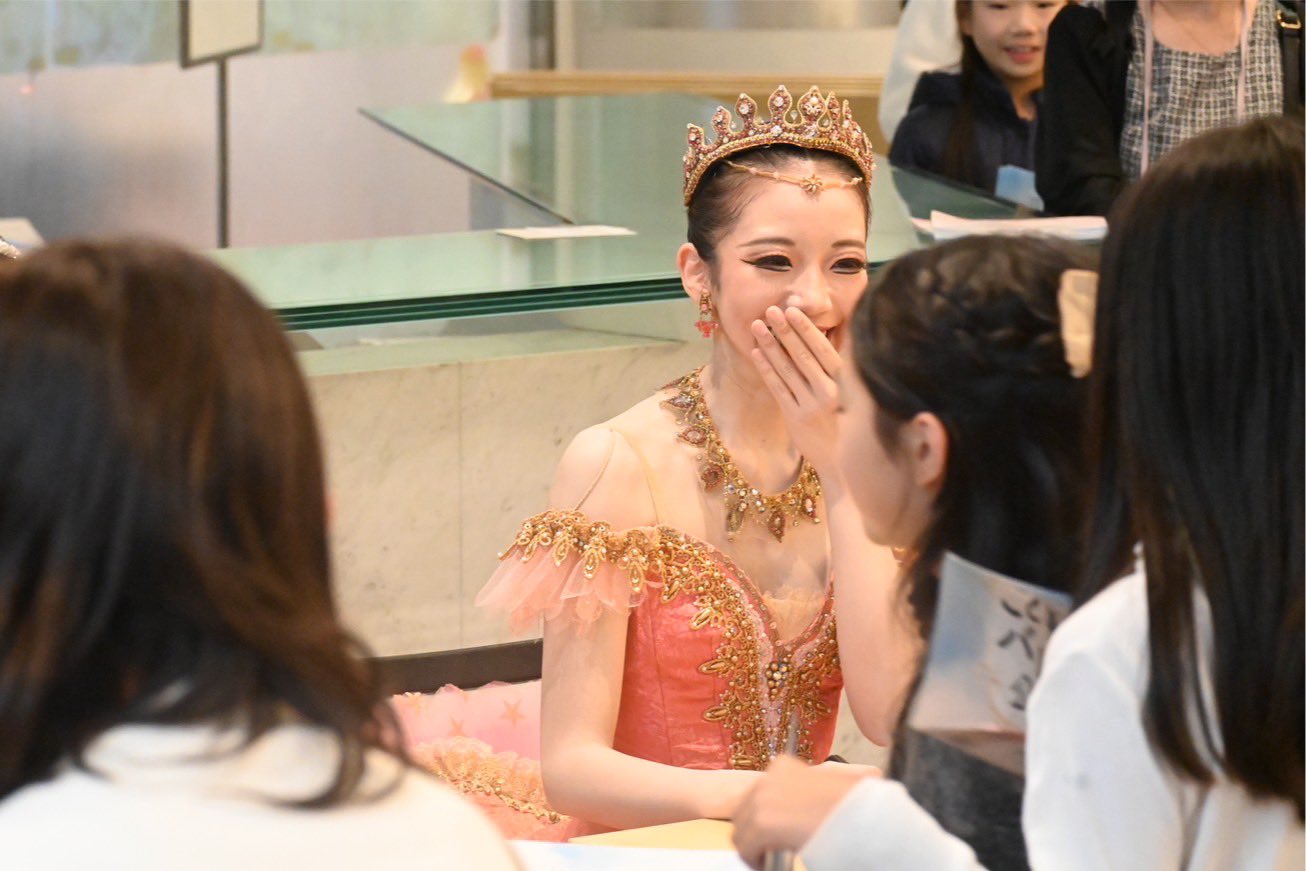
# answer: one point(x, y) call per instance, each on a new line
point(682, 569)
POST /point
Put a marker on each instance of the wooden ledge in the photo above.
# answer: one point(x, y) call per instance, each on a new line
point(567, 83)
point(863, 92)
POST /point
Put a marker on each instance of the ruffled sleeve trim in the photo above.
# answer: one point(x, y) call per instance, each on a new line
point(562, 562)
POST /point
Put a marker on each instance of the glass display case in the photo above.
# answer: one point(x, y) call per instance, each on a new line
point(575, 160)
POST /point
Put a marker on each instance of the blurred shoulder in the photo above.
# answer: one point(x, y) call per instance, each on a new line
point(1110, 628)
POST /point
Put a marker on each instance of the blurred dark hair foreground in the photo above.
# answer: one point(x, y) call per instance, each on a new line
point(1196, 410)
point(163, 555)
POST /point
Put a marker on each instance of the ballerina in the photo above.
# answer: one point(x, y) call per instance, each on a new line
point(682, 569)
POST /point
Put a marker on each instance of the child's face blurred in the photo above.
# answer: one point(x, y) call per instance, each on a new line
point(1011, 36)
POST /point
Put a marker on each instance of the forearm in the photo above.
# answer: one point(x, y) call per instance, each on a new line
point(599, 784)
point(879, 645)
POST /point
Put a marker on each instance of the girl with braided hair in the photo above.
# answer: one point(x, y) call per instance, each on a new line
point(958, 423)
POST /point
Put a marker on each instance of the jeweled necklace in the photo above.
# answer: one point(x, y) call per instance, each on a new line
point(717, 470)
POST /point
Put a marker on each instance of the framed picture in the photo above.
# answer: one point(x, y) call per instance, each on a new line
point(215, 29)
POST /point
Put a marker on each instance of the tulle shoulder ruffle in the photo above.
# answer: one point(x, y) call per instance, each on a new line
point(562, 562)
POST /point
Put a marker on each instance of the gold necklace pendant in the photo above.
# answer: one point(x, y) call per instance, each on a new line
point(718, 471)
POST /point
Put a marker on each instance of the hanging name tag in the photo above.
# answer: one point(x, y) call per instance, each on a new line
point(985, 653)
point(1016, 184)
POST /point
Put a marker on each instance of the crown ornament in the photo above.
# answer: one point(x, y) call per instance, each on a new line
point(819, 122)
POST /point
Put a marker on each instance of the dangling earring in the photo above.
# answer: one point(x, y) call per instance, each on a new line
point(707, 322)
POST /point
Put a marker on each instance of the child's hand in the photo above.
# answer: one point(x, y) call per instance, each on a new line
point(786, 807)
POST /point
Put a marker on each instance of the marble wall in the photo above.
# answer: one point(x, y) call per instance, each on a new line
point(438, 448)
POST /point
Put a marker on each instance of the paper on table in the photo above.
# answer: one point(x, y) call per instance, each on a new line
point(566, 231)
point(1080, 228)
point(20, 233)
point(686, 835)
point(984, 656)
point(546, 856)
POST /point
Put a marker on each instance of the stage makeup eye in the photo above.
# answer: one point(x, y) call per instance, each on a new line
point(771, 262)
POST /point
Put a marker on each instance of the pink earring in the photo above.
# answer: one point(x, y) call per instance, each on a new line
point(707, 322)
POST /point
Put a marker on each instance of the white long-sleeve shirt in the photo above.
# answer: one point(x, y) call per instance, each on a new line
point(1097, 796)
point(160, 801)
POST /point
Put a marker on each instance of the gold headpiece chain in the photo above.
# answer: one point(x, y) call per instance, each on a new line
point(812, 184)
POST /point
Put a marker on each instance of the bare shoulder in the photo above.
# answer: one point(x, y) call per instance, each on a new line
point(604, 471)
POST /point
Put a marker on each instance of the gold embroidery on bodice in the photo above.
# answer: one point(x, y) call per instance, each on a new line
point(767, 682)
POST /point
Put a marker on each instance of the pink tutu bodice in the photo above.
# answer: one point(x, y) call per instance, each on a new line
point(707, 681)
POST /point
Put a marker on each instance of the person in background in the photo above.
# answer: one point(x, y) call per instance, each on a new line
point(175, 688)
point(1165, 731)
point(926, 39)
point(1127, 81)
point(966, 124)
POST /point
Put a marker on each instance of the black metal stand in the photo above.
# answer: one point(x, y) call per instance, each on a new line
point(224, 194)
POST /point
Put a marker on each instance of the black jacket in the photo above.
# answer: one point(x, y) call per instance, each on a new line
point(1001, 136)
point(1077, 149)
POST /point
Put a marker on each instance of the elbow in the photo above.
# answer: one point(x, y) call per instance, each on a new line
point(563, 776)
point(876, 731)
point(558, 782)
point(876, 718)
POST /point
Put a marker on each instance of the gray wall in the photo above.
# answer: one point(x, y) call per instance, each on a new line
point(102, 132)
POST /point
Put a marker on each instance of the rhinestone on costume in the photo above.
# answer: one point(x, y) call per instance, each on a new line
point(711, 476)
point(735, 517)
point(694, 436)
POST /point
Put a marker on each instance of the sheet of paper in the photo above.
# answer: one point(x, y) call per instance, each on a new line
point(1083, 228)
point(20, 233)
point(545, 856)
point(985, 654)
point(566, 231)
point(687, 835)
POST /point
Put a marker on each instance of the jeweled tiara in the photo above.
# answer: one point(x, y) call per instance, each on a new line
point(820, 122)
